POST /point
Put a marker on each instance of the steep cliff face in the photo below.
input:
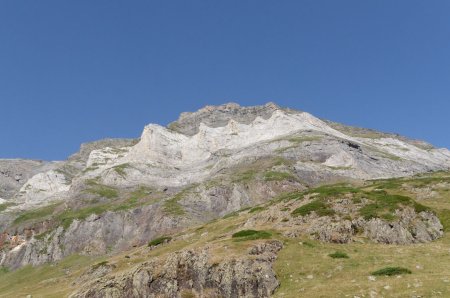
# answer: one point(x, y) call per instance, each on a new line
point(203, 166)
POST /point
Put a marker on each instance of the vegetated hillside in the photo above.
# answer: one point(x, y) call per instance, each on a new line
point(117, 195)
point(332, 241)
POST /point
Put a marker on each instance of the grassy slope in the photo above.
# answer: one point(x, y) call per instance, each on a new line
point(304, 267)
point(308, 271)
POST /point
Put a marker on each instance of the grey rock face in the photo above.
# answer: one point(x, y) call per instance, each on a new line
point(96, 235)
point(15, 172)
point(410, 228)
point(217, 116)
point(80, 158)
point(192, 272)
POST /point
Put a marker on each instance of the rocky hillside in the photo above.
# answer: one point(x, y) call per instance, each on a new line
point(381, 238)
point(114, 195)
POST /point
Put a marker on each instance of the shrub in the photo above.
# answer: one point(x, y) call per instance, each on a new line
point(159, 240)
point(251, 235)
point(339, 255)
point(317, 206)
point(384, 205)
point(390, 271)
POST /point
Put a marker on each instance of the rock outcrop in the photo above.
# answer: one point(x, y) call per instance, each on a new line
point(343, 223)
point(193, 273)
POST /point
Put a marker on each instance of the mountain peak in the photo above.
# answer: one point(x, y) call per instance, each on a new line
point(218, 116)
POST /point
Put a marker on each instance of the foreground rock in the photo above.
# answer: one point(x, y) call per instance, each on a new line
point(193, 274)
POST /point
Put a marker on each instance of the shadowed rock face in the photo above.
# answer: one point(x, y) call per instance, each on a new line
point(192, 272)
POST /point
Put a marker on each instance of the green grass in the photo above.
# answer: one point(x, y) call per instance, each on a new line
point(3, 270)
point(326, 191)
point(37, 214)
point(338, 255)
point(26, 280)
point(384, 205)
point(245, 176)
point(251, 235)
point(68, 216)
point(385, 154)
point(104, 191)
point(339, 168)
point(100, 264)
point(101, 190)
point(252, 171)
point(256, 209)
point(88, 169)
point(120, 169)
point(318, 206)
point(171, 206)
point(4, 206)
point(381, 204)
point(42, 236)
point(278, 176)
point(287, 196)
point(391, 271)
point(231, 214)
point(65, 217)
point(444, 217)
point(281, 161)
point(296, 141)
point(135, 199)
point(159, 240)
point(308, 244)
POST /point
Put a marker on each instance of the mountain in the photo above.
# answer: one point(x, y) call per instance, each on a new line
point(116, 195)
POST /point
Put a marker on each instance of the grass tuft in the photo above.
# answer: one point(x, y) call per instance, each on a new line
point(159, 240)
point(120, 169)
point(339, 255)
point(98, 265)
point(318, 206)
point(251, 235)
point(391, 271)
point(256, 209)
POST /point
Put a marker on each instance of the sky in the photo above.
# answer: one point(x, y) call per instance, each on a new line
point(78, 71)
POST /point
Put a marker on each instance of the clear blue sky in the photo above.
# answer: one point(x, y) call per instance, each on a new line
point(76, 71)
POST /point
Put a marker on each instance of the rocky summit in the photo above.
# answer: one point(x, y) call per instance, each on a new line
point(216, 204)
